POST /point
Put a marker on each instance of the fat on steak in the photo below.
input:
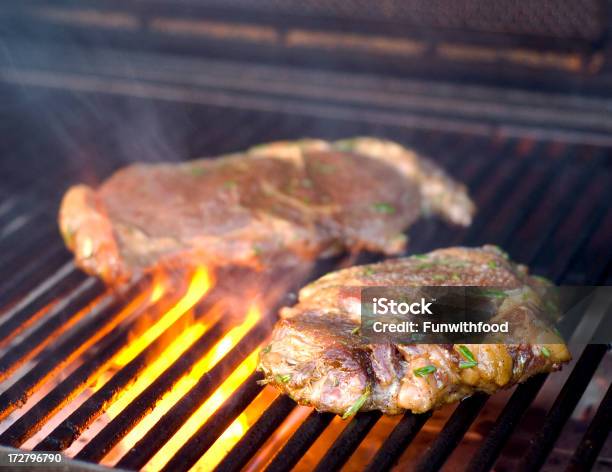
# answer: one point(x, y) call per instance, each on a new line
point(273, 205)
point(318, 358)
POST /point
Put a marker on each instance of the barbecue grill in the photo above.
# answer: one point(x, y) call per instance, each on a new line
point(160, 374)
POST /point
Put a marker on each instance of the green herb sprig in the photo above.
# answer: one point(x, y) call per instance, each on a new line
point(282, 378)
point(384, 207)
point(469, 356)
point(494, 293)
point(424, 371)
point(355, 407)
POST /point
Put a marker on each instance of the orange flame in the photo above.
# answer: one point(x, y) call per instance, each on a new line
point(200, 284)
point(239, 426)
point(231, 383)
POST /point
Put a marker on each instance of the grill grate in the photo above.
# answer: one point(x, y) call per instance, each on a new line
point(543, 201)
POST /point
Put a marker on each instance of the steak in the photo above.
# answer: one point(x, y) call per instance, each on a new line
point(273, 205)
point(317, 356)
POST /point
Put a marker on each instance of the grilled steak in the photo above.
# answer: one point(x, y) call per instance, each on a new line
point(274, 204)
point(317, 357)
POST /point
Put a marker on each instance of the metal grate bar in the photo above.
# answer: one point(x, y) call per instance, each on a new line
point(10, 233)
point(257, 435)
point(495, 189)
point(9, 201)
point(29, 244)
point(208, 433)
point(450, 436)
point(477, 168)
point(104, 351)
point(71, 428)
point(348, 441)
point(36, 222)
point(30, 306)
point(114, 431)
point(37, 269)
point(300, 442)
point(57, 320)
point(596, 435)
point(520, 213)
point(395, 445)
point(105, 317)
point(588, 228)
point(171, 422)
point(505, 424)
point(488, 177)
point(563, 407)
point(563, 208)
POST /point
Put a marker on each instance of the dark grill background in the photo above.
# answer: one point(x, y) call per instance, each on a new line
point(78, 103)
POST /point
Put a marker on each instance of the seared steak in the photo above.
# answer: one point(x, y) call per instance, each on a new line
point(272, 205)
point(317, 356)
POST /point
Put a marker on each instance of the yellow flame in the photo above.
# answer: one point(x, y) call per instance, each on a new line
point(216, 399)
point(234, 431)
point(159, 288)
point(200, 284)
point(165, 360)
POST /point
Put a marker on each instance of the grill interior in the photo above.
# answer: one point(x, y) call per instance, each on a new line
point(80, 371)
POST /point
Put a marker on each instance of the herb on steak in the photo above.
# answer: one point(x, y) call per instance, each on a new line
point(493, 264)
point(323, 168)
point(385, 208)
point(355, 407)
point(196, 171)
point(424, 371)
point(494, 293)
point(471, 360)
point(368, 271)
point(428, 265)
point(545, 351)
point(465, 351)
point(501, 252)
point(282, 378)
